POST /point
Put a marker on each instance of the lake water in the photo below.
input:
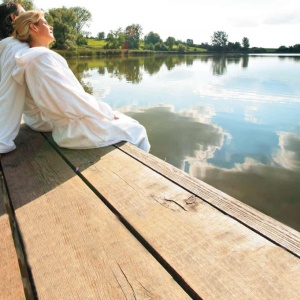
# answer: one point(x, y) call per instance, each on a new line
point(231, 121)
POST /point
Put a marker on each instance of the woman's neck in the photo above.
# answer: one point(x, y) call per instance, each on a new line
point(33, 44)
point(35, 41)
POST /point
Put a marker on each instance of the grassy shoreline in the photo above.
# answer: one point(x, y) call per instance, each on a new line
point(95, 48)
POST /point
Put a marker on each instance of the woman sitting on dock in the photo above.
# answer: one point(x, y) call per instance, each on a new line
point(79, 120)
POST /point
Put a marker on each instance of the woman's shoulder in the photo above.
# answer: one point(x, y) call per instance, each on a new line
point(46, 52)
point(38, 54)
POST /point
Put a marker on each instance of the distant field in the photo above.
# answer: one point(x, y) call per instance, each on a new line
point(94, 43)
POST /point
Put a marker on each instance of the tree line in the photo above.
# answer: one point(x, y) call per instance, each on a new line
point(69, 23)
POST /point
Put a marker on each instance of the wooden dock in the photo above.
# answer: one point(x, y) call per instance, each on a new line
point(118, 223)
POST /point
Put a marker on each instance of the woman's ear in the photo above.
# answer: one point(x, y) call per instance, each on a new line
point(33, 27)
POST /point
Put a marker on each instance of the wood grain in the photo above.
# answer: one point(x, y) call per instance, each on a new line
point(259, 222)
point(11, 286)
point(76, 247)
point(219, 257)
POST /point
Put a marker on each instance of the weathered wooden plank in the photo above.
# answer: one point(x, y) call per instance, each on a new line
point(76, 247)
point(218, 257)
point(11, 286)
point(265, 225)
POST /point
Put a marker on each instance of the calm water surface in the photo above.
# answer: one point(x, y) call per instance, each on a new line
point(233, 122)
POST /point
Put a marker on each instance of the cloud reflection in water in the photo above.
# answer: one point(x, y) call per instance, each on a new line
point(232, 122)
point(188, 140)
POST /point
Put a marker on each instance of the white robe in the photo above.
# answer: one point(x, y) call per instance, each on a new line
point(78, 119)
point(12, 95)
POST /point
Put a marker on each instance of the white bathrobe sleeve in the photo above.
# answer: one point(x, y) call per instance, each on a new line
point(12, 95)
point(79, 120)
point(56, 90)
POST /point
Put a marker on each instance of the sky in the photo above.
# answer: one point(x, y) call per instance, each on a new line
point(266, 23)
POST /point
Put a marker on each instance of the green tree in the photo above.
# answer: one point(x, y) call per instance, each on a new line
point(296, 48)
point(237, 46)
point(181, 48)
point(170, 42)
point(232, 47)
point(115, 39)
point(81, 40)
point(245, 43)
point(63, 20)
point(152, 38)
point(101, 36)
point(219, 40)
point(149, 47)
point(190, 42)
point(110, 40)
point(68, 26)
point(160, 46)
point(83, 18)
point(26, 4)
point(282, 49)
point(133, 35)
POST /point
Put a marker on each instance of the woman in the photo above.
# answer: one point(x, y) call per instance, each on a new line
point(79, 121)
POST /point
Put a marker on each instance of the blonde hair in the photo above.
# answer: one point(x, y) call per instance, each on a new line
point(22, 22)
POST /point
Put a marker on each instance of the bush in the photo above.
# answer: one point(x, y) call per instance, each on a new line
point(181, 48)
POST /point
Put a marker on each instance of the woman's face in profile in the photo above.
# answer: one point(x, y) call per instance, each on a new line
point(45, 31)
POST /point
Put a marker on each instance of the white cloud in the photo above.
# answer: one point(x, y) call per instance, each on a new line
point(288, 155)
